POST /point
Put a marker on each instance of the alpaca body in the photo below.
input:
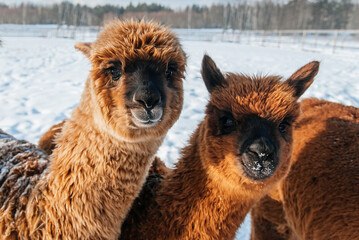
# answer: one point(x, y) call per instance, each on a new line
point(268, 221)
point(60, 202)
point(22, 165)
point(238, 154)
point(132, 96)
point(320, 196)
point(180, 208)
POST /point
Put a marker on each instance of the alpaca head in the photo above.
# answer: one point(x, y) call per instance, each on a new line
point(249, 123)
point(136, 78)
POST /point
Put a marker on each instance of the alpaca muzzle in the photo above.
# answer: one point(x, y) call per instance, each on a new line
point(149, 107)
point(147, 117)
point(259, 160)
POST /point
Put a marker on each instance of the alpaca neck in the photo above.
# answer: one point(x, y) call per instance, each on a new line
point(192, 205)
point(84, 142)
point(93, 177)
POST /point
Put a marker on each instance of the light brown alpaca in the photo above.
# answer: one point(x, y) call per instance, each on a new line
point(320, 197)
point(239, 153)
point(132, 97)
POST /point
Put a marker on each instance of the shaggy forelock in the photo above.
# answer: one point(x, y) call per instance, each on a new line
point(267, 97)
point(138, 40)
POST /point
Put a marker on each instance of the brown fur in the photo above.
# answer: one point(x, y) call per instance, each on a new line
point(268, 221)
point(320, 196)
point(208, 194)
point(47, 141)
point(139, 207)
point(85, 48)
point(101, 157)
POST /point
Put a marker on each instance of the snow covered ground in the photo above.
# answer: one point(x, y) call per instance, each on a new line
point(41, 80)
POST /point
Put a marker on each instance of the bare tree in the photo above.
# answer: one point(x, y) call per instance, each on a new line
point(240, 14)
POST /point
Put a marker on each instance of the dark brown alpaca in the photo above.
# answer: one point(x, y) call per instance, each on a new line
point(268, 221)
point(239, 153)
point(132, 96)
point(320, 197)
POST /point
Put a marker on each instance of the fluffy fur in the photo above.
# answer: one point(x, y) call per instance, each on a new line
point(319, 198)
point(103, 152)
point(47, 141)
point(209, 193)
point(268, 221)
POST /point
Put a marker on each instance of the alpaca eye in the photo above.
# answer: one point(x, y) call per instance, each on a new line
point(228, 124)
point(115, 73)
point(171, 68)
point(283, 127)
point(169, 73)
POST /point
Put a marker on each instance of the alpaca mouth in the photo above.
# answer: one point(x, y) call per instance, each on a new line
point(258, 167)
point(143, 117)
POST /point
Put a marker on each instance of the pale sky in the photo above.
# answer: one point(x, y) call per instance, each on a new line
point(175, 4)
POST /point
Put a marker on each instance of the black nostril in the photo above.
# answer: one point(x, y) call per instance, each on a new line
point(147, 100)
point(262, 147)
point(141, 102)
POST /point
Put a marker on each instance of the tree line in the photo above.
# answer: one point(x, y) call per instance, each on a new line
point(240, 14)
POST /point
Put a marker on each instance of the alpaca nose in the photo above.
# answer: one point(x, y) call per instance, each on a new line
point(148, 98)
point(263, 147)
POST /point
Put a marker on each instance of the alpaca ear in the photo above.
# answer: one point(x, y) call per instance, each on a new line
point(85, 48)
point(303, 78)
point(211, 75)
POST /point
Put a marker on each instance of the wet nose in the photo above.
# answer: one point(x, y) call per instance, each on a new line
point(263, 147)
point(148, 98)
